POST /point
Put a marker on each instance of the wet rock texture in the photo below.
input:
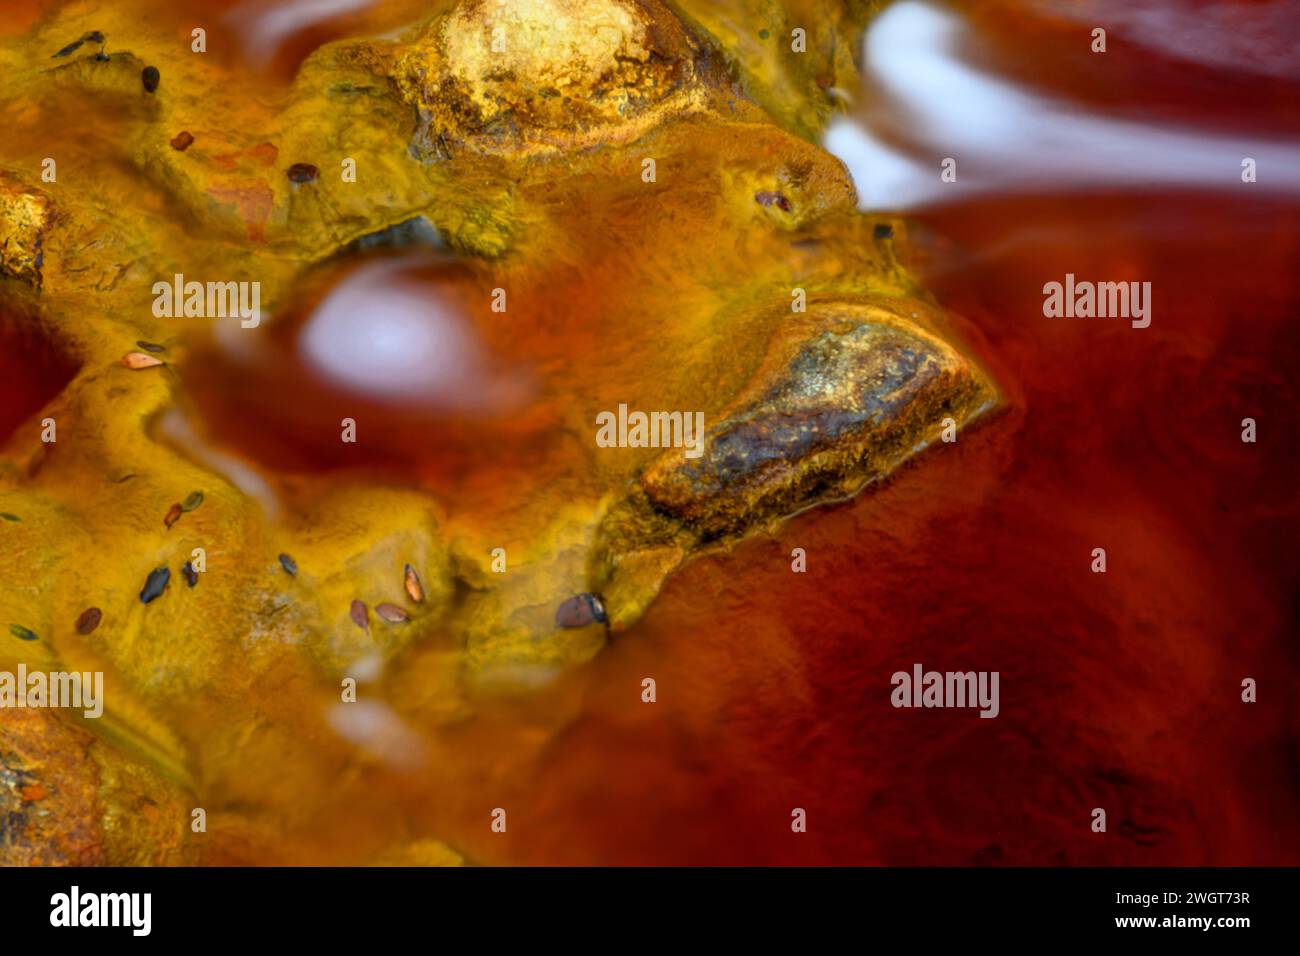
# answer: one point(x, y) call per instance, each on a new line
point(453, 549)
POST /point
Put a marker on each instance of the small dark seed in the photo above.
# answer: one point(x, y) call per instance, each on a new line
point(22, 633)
point(289, 564)
point(89, 620)
point(360, 616)
point(94, 36)
point(191, 576)
point(155, 585)
point(8, 517)
point(193, 501)
point(149, 76)
point(125, 478)
point(581, 610)
point(182, 140)
point(773, 199)
point(391, 613)
point(884, 230)
point(303, 172)
point(68, 49)
point(101, 56)
point(173, 515)
point(151, 346)
point(413, 586)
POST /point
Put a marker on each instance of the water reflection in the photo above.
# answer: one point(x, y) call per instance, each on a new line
point(929, 100)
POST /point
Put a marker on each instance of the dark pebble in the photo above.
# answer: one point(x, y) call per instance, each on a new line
point(89, 620)
point(191, 576)
point(581, 610)
point(884, 230)
point(289, 564)
point(182, 140)
point(150, 76)
point(155, 584)
point(101, 56)
point(303, 173)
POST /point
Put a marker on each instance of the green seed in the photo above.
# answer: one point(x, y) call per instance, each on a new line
point(192, 502)
point(22, 633)
point(8, 517)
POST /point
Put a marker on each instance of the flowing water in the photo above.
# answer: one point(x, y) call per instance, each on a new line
point(1119, 690)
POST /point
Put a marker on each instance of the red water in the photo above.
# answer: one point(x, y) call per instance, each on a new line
point(33, 370)
point(1119, 691)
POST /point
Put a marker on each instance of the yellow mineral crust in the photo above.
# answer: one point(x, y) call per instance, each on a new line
point(25, 215)
point(549, 74)
point(671, 293)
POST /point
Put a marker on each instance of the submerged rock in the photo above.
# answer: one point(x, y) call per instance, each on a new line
point(824, 415)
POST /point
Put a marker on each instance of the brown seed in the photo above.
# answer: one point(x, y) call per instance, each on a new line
point(173, 515)
point(303, 172)
point(149, 76)
point(413, 586)
point(182, 140)
point(139, 360)
point(360, 616)
point(766, 198)
point(89, 620)
point(391, 613)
